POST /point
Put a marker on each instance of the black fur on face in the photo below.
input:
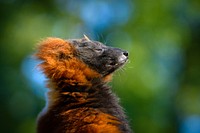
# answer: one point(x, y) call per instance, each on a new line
point(99, 57)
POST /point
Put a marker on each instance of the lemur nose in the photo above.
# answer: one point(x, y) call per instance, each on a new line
point(125, 53)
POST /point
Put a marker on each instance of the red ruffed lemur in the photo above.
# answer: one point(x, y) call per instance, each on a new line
point(79, 99)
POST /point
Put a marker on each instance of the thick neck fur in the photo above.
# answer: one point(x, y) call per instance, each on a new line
point(98, 97)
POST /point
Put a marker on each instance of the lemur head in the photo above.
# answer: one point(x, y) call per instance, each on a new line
point(78, 61)
point(99, 57)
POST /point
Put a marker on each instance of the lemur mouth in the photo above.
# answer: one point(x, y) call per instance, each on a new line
point(121, 61)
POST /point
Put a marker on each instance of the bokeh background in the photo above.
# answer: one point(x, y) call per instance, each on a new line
point(159, 87)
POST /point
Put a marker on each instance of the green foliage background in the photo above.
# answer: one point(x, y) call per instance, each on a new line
point(159, 87)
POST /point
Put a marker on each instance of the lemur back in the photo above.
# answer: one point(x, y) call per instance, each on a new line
point(79, 99)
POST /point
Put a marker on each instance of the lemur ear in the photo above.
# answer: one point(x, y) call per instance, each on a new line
point(86, 37)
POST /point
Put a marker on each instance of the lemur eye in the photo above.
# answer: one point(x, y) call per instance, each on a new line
point(99, 50)
point(83, 45)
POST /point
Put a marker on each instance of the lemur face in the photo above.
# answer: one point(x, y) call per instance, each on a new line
point(99, 57)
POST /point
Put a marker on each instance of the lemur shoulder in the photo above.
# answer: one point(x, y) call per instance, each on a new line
point(79, 99)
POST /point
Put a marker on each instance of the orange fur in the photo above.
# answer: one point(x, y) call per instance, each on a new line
point(73, 70)
point(94, 121)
